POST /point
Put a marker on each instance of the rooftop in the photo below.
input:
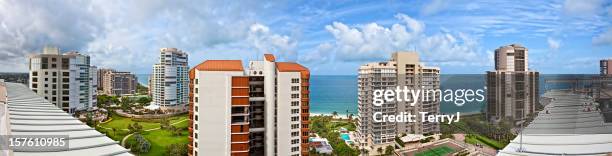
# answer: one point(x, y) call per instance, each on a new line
point(30, 114)
point(570, 124)
point(220, 65)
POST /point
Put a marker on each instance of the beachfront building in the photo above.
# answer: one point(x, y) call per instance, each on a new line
point(118, 83)
point(260, 110)
point(404, 69)
point(66, 80)
point(512, 89)
point(169, 80)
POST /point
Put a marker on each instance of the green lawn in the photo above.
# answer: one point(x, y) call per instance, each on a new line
point(159, 138)
point(438, 151)
point(121, 123)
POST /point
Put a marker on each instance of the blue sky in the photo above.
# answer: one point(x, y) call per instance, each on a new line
point(329, 37)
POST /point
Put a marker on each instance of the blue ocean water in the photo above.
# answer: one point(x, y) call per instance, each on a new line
point(143, 79)
point(329, 93)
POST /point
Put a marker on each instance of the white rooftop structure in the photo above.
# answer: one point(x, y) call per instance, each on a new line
point(570, 125)
point(31, 115)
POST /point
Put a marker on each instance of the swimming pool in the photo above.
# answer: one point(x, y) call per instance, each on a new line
point(345, 136)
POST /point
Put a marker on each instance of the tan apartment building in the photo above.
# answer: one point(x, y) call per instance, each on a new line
point(403, 69)
point(260, 110)
point(512, 89)
point(118, 83)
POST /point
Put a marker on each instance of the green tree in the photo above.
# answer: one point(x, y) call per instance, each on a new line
point(379, 150)
point(389, 150)
point(141, 145)
point(89, 119)
point(144, 100)
point(176, 150)
point(135, 128)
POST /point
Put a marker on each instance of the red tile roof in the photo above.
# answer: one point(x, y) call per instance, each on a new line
point(269, 57)
point(292, 67)
point(220, 65)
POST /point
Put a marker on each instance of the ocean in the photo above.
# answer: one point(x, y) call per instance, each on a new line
point(329, 93)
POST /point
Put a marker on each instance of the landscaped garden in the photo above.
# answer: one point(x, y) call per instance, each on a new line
point(158, 133)
point(327, 127)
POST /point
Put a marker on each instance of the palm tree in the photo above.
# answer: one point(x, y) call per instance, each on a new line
point(334, 113)
point(379, 150)
point(114, 131)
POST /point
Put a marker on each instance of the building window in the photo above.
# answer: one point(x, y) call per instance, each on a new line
point(295, 96)
point(295, 118)
point(195, 135)
point(295, 141)
point(295, 88)
point(295, 80)
point(295, 111)
point(196, 126)
point(295, 103)
point(295, 149)
point(294, 134)
point(34, 73)
point(196, 90)
point(196, 117)
point(196, 99)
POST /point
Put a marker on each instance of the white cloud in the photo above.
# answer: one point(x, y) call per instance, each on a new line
point(375, 42)
point(604, 38)
point(553, 44)
point(434, 7)
point(260, 37)
point(582, 7)
point(128, 34)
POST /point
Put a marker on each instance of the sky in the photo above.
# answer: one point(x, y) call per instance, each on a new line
point(328, 37)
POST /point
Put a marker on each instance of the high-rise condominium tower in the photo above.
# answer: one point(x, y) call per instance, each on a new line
point(404, 69)
point(261, 110)
point(169, 80)
point(512, 90)
point(66, 80)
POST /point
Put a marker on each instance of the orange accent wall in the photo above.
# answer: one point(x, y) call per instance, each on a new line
point(240, 147)
point(240, 101)
point(240, 92)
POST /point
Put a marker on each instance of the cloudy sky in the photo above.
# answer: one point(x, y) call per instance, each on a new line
point(329, 37)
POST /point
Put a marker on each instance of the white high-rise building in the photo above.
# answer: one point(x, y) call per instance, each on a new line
point(66, 80)
point(170, 81)
point(404, 69)
point(260, 110)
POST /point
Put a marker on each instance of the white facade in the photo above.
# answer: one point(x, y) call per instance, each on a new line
point(169, 80)
point(63, 79)
point(274, 114)
point(212, 106)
